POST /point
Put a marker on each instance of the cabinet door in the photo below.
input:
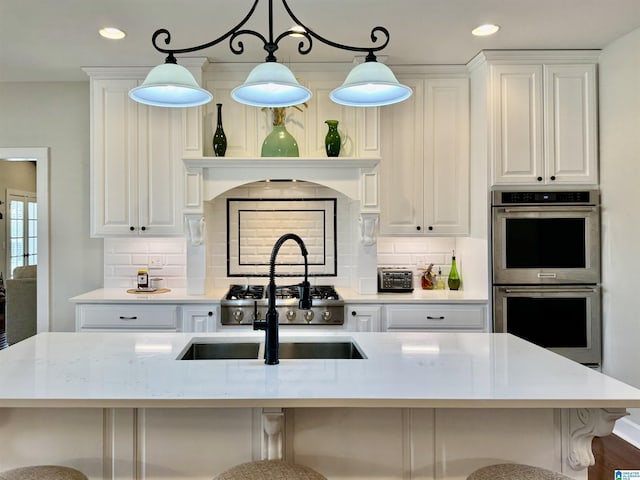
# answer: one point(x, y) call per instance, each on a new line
point(570, 124)
point(199, 318)
point(114, 157)
point(363, 318)
point(446, 156)
point(516, 124)
point(160, 171)
point(402, 166)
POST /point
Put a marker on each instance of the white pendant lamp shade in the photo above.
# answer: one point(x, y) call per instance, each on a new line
point(170, 85)
point(370, 84)
point(271, 84)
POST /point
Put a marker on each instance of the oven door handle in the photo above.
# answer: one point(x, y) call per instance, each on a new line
point(550, 290)
point(548, 209)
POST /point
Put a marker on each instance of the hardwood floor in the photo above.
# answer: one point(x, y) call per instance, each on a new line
point(612, 453)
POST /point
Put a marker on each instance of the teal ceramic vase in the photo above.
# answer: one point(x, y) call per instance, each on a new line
point(280, 143)
point(332, 140)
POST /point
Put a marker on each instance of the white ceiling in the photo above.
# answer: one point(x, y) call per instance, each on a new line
point(50, 40)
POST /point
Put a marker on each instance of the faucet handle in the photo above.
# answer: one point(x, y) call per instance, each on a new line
point(305, 296)
point(259, 324)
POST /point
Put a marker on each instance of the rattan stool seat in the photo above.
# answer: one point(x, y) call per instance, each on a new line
point(270, 470)
point(43, 472)
point(515, 471)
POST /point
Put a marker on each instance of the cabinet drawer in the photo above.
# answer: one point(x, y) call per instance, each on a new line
point(145, 317)
point(411, 317)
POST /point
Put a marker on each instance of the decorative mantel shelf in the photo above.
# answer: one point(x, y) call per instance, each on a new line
point(357, 178)
point(270, 162)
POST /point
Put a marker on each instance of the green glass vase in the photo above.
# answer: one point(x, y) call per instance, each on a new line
point(332, 140)
point(280, 143)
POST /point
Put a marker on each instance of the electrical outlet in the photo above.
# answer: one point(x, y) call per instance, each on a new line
point(155, 261)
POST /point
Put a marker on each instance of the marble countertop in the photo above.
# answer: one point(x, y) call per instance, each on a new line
point(179, 295)
point(404, 370)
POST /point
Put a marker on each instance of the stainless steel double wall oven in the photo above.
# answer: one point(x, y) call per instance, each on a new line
point(546, 270)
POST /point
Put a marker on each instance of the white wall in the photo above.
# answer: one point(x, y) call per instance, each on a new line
point(620, 182)
point(56, 115)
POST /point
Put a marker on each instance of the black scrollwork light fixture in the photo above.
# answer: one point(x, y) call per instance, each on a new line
point(271, 84)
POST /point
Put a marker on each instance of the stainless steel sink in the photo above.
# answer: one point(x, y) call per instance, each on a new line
point(335, 350)
point(222, 351)
point(343, 349)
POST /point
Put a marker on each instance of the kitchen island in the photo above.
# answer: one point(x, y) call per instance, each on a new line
point(424, 405)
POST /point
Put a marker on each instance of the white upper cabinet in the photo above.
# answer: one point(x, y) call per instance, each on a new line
point(425, 164)
point(543, 122)
point(137, 175)
point(135, 163)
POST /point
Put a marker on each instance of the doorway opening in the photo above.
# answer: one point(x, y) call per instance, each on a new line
point(40, 155)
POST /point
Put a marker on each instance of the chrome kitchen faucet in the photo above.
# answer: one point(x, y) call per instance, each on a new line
point(270, 324)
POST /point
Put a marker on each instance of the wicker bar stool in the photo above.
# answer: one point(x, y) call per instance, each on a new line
point(269, 470)
point(515, 471)
point(43, 472)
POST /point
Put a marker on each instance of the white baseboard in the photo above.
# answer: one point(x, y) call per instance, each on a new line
point(628, 431)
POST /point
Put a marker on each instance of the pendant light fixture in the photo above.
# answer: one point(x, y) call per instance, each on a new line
point(271, 84)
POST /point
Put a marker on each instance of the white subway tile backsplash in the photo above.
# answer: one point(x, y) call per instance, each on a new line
point(142, 260)
point(174, 260)
point(116, 259)
point(123, 258)
point(416, 254)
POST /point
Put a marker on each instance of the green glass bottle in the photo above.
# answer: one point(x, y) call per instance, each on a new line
point(219, 137)
point(454, 278)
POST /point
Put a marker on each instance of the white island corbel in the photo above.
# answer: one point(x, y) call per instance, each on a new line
point(420, 406)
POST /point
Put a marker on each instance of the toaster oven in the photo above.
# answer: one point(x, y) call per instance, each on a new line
point(395, 280)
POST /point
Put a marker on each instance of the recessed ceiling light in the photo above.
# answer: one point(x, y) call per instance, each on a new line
point(112, 33)
point(486, 29)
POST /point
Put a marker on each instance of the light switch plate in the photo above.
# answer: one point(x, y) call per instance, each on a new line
point(155, 261)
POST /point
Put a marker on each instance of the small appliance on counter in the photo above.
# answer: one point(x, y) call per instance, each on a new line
point(395, 280)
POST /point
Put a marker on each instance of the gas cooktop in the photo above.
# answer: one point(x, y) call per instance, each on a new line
point(244, 303)
point(259, 292)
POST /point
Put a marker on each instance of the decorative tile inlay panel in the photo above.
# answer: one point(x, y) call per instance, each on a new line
point(254, 225)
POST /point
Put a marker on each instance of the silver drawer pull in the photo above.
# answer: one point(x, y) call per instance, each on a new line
point(429, 317)
point(128, 318)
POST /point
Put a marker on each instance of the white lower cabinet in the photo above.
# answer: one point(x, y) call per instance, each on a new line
point(196, 318)
point(114, 317)
point(436, 317)
point(363, 318)
point(202, 318)
point(199, 318)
